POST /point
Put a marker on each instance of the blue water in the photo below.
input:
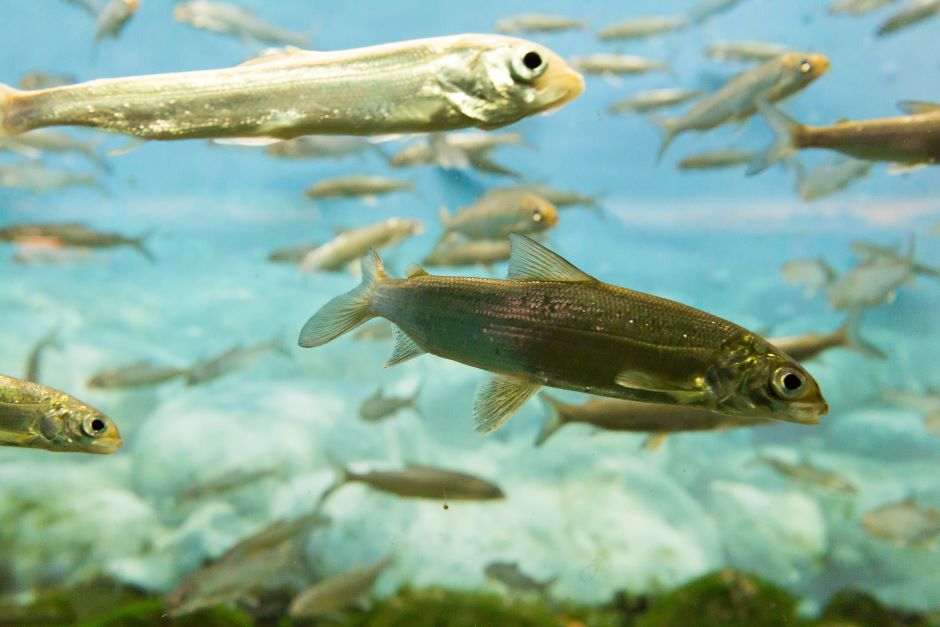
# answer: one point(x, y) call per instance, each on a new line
point(589, 507)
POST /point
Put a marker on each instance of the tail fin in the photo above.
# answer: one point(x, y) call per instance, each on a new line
point(345, 313)
point(444, 215)
point(140, 245)
point(855, 342)
point(554, 418)
point(7, 93)
point(413, 400)
point(784, 128)
point(670, 128)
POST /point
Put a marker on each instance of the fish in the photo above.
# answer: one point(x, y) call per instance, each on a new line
point(456, 151)
point(136, 375)
point(537, 23)
point(451, 252)
point(642, 27)
point(73, 235)
point(510, 575)
point(228, 482)
point(771, 81)
point(874, 281)
point(34, 143)
point(34, 361)
point(909, 139)
point(40, 417)
point(375, 331)
point(932, 422)
point(322, 147)
point(378, 406)
point(716, 159)
point(561, 198)
point(652, 100)
point(356, 185)
point(228, 19)
point(707, 9)
point(231, 360)
point(113, 17)
point(616, 64)
point(806, 473)
point(656, 420)
point(913, 13)
point(813, 274)
point(870, 251)
point(903, 523)
point(857, 7)
point(292, 254)
point(337, 592)
point(352, 244)
point(36, 178)
point(497, 214)
point(829, 178)
point(805, 347)
point(550, 324)
point(927, 402)
point(437, 84)
point(44, 80)
point(744, 51)
point(424, 482)
point(88, 6)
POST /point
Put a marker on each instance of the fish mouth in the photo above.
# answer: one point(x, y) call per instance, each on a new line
point(564, 87)
point(805, 413)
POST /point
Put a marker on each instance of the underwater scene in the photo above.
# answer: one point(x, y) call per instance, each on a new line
point(402, 313)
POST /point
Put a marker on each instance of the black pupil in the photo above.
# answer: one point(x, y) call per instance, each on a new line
point(532, 60)
point(97, 425)
point(792, 382)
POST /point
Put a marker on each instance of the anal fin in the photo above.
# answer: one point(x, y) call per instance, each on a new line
point(405, 348)
point(498, 399)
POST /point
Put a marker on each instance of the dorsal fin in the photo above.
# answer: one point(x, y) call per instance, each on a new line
point(530, 261)
point(275, 55)
point(414, 270)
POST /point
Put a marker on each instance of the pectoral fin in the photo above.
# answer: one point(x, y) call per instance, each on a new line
point(655, 441)
point(649, 384)
point(498, 399)
point(405, 348)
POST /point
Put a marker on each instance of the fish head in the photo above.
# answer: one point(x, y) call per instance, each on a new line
point(536, 213)
point(799, 69)
point(498, 80)
point(754, 378)
point(70, 425)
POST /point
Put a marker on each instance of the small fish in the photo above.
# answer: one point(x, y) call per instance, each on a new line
point(113, 17)
point(561, 198)
point(292, 254)
point(805, 347)
point(44, 80)
point(908, 139)
point(231, 360)
point(870, 251)
point(73, 235)
point(419, 86)
point(652, 100)
point(857, 7)
point(34, 361)
point(378, 407)
point(744, 51)
point(229, 19)
point(425, 482)
point(903, 523)
point(88, 6)
point(616, 64)
point(36, 178)
point(322, 147)
point(707, 9)
point(874, 281)
point(630, 416)
point(34, 143)
point(927, 402)
point(553, 325)
point(229, 482)
point(450, 252)
point(641, 27)
point(456, 151)
point(351, 245)
point(932, 422)
point(915, 12)
point(497, 214)
point(35, 416)
point(356, 185)
point(829, 178)
point(716, 159)
point(772, 80)
point(808, 474)
point(510, 575)
point(337, 592)
point(537, 23)
point(137, 375)
point(375, 331)
point(813, 274)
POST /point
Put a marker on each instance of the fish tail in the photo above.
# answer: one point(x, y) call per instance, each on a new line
point(413, 401)
point(7, 94)
point(670, 128)
point(140, 245)
point(854, 341)
point(554, 418)
point(345, 313)
point(785, 131)
point(444, 215)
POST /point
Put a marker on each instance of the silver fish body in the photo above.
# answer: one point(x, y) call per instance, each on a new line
point(137, 375)
point(228, 19)
point(350, 245)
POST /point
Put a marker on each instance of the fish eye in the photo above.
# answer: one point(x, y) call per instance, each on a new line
point(94, 426)
point(537, 216)
point(805, 66)
point(528, 66)
point(788, 383)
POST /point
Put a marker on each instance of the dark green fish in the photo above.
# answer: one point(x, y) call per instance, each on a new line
point(72, 235)
point(805, 347)
point(424, 482)
point(553, 325)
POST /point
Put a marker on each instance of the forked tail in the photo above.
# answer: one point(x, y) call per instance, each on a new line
point(785, 129)
point(554, 418)
point(854, 341)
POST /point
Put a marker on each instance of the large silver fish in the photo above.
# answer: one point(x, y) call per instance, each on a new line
point(423, 85)
point(553, 325)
